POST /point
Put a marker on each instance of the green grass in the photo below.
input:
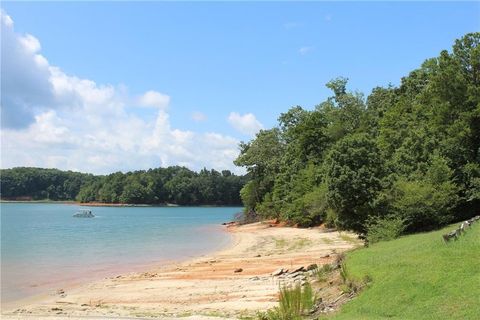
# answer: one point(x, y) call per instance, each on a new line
point(417, 277)
point(280, 243)
point(321, 273)
point(295, 244)
point(299, 244)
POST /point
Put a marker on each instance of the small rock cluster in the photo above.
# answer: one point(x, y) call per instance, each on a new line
point(462, 228)
point(298, 275)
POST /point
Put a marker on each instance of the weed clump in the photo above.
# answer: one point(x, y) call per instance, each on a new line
point(294, 303)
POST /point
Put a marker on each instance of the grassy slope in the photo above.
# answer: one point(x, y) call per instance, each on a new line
point(418, 277)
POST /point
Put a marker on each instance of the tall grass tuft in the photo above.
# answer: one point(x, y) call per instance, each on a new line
point(294, 302)
point(344, 271)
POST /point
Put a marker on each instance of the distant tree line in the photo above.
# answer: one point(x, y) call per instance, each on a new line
point(409, 154)
point(176, 185)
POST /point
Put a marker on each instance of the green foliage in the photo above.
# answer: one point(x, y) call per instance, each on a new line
point(471, 174)
point(422, 204)
point(176, 185)
point(248, 194)
point(411, 152)
point(331, 218)
point(312, 205)
point(294, 302)
point(353, 174)
point(39, 184)
point(417, 277)
point(384, 228)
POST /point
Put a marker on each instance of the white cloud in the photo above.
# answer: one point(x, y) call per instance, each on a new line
point(25, 85)
point(6, 18)
point(30, 43)
point(304, 50)
point(246, 124)
point(328, 17)
point(154, 99)
point(198, 116)
point(51, 119)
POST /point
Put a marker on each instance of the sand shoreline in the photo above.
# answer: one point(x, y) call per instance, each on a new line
point(132, 269)
point(210, 285)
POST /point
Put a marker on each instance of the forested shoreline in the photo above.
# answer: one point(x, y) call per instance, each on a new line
point(160, 186)
point(402, 159)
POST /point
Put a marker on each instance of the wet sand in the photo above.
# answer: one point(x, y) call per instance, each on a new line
point(233, 282)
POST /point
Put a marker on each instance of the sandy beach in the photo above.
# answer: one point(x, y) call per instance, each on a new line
point(236, 281)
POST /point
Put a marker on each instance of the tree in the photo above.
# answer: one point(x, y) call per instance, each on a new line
point(354, 170)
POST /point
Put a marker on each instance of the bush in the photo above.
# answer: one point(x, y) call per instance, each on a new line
point(267, 208)
point(331, 218)
point(245, 217)
point(315, 204)
point(424, 205)
point(384, 228)
point(308, 210)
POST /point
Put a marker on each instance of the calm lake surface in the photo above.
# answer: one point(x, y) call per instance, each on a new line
point(44, 248)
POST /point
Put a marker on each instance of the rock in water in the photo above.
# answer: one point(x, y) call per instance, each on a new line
point(84, 214)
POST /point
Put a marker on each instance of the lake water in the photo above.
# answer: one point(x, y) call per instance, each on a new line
point(44, 248)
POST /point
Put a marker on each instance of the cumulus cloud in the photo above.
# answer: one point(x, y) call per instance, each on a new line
point(154, 99)
point(52, 119)
point(25, 74)
point(198, 116)
point(246, 124)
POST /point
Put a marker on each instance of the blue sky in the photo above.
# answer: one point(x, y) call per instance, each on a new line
point(213, 59)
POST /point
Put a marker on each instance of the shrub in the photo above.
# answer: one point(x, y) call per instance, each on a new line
point(331, 218)
point(308, 210)
point(245, 217)
point(384, 228)
point(267, 208)
point(424, 205)
point(297, 214)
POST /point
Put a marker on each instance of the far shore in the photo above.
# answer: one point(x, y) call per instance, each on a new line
point(38, 201)
point(111, 204)
point(233, 282)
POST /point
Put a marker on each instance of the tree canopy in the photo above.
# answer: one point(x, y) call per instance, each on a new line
point(411, 151)
point(176, 185)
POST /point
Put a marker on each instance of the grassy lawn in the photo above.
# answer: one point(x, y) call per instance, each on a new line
point(418, 277)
